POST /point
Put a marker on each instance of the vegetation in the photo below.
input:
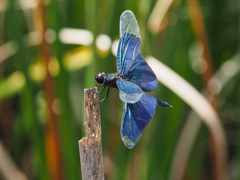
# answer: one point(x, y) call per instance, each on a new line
point(46, 62)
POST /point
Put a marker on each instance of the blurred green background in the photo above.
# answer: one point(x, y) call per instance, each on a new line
point(50, 51)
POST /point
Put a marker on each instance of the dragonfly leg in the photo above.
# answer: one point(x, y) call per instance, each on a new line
point(100, 92)
point(104, 99)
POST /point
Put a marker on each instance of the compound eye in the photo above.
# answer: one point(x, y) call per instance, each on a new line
point(99, 77)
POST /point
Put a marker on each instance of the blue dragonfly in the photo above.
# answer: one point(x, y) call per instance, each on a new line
point(133, 77)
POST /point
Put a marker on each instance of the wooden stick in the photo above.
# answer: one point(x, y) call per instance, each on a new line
point(90, 147)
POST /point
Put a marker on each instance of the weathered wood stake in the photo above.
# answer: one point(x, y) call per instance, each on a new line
point(90, 147)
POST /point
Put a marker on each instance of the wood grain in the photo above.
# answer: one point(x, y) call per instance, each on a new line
point(90, 147)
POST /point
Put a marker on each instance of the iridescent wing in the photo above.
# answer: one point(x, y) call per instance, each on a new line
point(129, 91)
point(129, 43)
point(136, 117)
point(142, 74)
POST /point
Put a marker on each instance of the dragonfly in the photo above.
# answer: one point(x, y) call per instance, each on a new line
point(133, 78)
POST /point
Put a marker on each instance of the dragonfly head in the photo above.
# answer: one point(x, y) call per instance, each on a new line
point(100, 77)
